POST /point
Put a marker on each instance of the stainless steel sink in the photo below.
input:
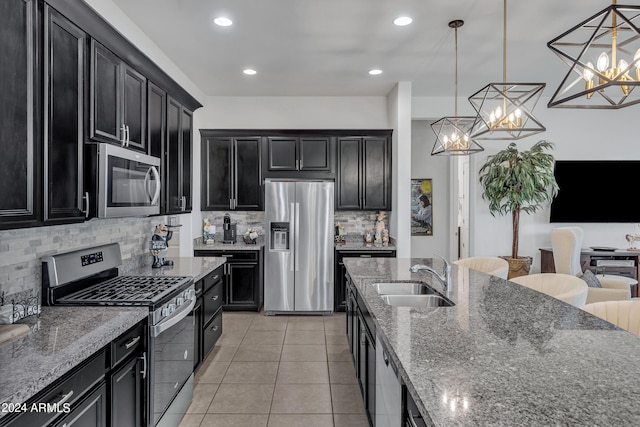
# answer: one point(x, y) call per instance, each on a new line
point(419, 301)
point(403, 288)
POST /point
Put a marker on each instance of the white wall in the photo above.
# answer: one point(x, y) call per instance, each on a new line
point(399, 110)
point(424, 165)
point(578, 135)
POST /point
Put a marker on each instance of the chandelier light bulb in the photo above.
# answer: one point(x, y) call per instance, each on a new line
point(492, 117)
point(636, 58)
point(587, 73)
point(498, 112)
point(603, 62)
point(518, 113)
point(622, 66)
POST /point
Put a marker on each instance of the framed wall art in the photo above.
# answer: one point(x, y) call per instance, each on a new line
point(421, 207)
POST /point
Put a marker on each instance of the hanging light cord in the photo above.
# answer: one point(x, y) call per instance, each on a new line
point(456, 73)
point(504, 44)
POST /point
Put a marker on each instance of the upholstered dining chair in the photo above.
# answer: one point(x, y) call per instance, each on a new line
point(566, 243)
point(624, 314)
point(487, 264)
point(564, 287)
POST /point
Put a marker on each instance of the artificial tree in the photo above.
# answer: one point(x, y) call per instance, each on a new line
point(516, 181)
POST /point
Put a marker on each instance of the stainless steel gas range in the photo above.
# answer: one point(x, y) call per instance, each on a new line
point(90, 277)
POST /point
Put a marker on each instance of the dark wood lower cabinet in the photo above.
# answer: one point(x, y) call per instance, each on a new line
point(126, 394)
point(340, 299)
point(243, 278)
point(208, 313)
point(92, 412)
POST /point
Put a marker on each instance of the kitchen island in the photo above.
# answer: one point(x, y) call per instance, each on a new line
point(504, 354)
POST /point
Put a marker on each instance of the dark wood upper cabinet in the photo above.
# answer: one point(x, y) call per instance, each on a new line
point(156, 119)
point(20, 160)
point(364, 173)
point(299, 153)
point(64, 67)
point(177, 158)
point(134, 107)
point(105, 115)
point(118, 100)
point(231, 174)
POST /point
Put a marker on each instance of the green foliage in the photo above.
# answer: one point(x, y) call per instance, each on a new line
point(518, 181)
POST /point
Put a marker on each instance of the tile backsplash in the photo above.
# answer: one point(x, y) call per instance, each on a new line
point(21, 250)
point(354, 222)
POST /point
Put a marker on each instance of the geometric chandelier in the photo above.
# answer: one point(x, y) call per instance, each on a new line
point(505, 109)
point(603, 55)
point(453, 133)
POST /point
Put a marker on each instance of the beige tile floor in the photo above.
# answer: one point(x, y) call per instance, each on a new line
point(272, 371)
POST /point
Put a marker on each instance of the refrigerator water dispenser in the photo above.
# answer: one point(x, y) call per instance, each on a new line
point(279, 236)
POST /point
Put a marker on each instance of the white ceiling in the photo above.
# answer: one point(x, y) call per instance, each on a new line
point(326, 47)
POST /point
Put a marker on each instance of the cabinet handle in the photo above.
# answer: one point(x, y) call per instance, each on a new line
point(123, 136)
point(227, 255)
point(365, 256)
point(214, 328)
point(133, 341)
point(144, 365)
point(410, 419)
point(297, 164)
point(300, 164)
point(64, 398)
point(215, 297)
point(216, 277)
point(128, 136)
point(86, 204)
point(363, 338)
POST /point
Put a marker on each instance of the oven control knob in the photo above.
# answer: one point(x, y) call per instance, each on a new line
point(165, 312)
point(171, 308)
point(179, 301)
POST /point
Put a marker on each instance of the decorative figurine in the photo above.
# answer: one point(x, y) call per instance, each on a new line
point(379, 226)
point(209, 232)
point(368, 237)
point(158, 245)
point(385, 237)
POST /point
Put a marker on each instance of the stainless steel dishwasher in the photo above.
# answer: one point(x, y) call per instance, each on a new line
point(388, 388)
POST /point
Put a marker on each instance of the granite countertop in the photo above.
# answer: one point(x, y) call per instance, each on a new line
point(219, 246)
point(356, 243)
point(59, 340)
point(198, 267)
point(504, 354)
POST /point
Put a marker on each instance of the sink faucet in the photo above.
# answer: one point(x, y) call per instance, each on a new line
point(445, 278)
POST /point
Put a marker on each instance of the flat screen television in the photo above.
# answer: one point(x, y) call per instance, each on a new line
point(596, 191)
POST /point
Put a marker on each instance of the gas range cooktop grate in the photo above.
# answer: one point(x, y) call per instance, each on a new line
point(127, 290)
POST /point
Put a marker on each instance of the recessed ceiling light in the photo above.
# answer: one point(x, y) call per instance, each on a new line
point(222, 21)
point(375, 72)
point(401, 21)
point(250, 71)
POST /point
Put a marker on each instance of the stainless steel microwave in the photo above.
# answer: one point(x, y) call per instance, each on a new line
point(128, 183)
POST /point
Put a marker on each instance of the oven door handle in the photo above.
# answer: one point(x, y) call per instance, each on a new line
point(182, 312)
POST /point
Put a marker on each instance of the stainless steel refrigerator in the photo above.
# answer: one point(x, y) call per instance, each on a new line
point(298, 262)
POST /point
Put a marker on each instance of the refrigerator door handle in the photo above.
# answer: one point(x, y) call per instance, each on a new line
point(297, 235)
point(292, 249)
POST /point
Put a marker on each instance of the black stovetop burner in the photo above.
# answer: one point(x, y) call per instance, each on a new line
point(128, 290)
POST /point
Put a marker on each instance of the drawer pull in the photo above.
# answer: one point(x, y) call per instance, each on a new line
point(133, 341)
point(214, 328)
point(412, 423)
point(227, 255)
point(216, 277)
point(365, 256)
point(64, 398)
point(215, 297)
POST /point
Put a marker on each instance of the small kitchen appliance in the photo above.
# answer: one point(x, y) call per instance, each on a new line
point(90, 277)
point(229, 230)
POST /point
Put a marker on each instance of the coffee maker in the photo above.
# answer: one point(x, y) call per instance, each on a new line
point(229, 230)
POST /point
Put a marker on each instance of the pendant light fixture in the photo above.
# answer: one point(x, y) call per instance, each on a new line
point(505, 109)
point(610, 39)
point(453, 134)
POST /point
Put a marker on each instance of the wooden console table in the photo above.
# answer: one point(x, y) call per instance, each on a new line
point(589, 258)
